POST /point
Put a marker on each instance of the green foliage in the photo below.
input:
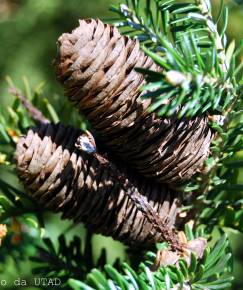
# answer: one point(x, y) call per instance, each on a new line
point(65, 262)
point(220, 193)
point(206, 273)
point(198, 70)
point(73, 264)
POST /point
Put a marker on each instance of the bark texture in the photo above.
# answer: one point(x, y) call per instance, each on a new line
point(67, 180)
point(96, 65)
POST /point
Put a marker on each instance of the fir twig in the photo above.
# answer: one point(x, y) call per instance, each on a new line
point(205, 8)
point(33, 111)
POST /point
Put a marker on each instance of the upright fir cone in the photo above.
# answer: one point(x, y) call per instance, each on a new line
point(96, 65)
point(64, 179)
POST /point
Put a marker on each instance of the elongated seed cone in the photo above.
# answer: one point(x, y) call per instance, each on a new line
point(64, 179)
point(96, 65)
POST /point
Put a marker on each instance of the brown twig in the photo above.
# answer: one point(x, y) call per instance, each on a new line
point(148, 211)
point(33, 111)
point(86, 143)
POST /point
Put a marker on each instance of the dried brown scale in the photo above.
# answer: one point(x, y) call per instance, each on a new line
point(66, 180)
point(96, 66)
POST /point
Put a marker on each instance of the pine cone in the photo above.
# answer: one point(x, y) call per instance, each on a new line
point(96, 66)
point(64, 179)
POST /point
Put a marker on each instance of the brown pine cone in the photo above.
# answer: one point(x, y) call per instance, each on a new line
point(96, 66)
point(64, 179)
